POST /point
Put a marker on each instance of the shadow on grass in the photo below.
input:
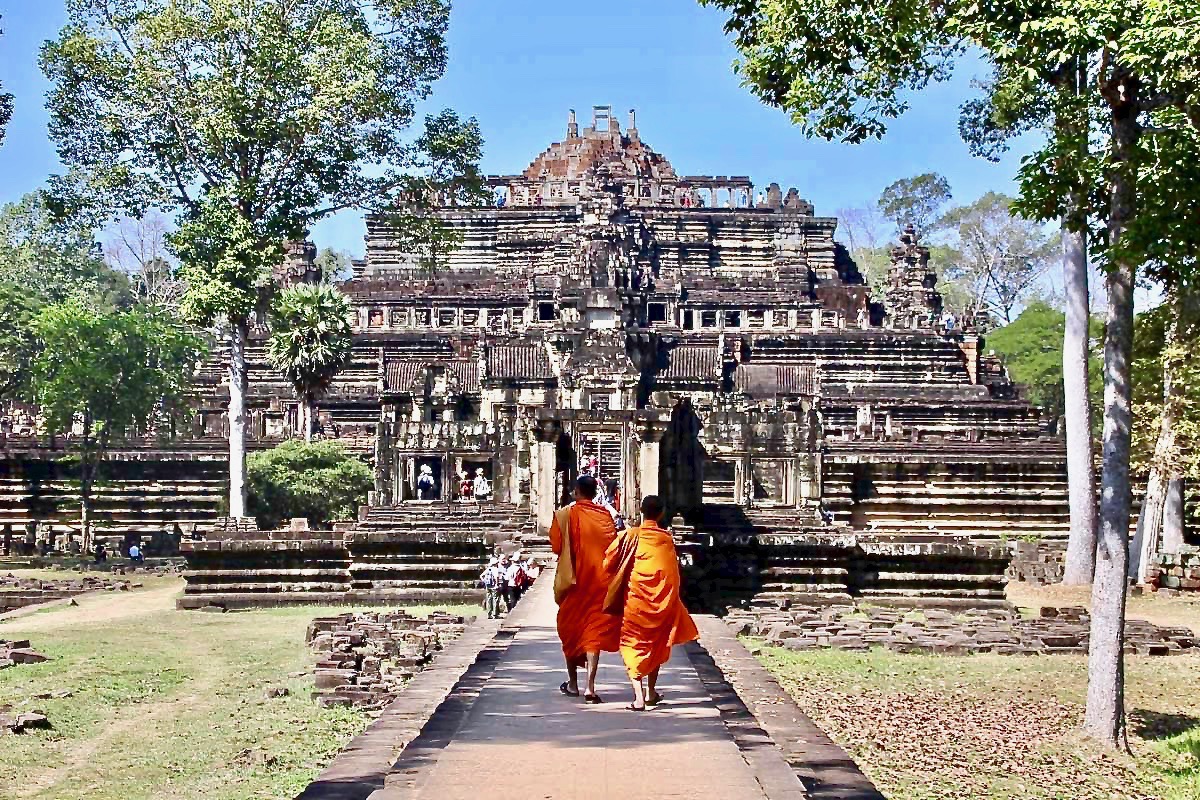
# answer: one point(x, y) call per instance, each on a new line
point(1155, 726)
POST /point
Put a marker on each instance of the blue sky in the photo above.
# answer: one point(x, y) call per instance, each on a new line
point(519, 65)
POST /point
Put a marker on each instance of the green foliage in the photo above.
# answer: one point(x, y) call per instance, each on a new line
point(1032, 347)
point(915, 201)
point(333, 265)
point(319, 481)
point(255, 117)
point(111, 371)
point(17, 345)
point(53, 258)
point(842, 69)
point(310, 336)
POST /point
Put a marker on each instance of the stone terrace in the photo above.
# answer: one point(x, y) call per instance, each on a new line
point(427, 553)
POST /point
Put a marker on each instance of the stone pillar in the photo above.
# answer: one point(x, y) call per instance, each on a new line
point(650, 432)
point(969, 344)
point(542, 479)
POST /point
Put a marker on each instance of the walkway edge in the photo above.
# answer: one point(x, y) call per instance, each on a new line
point(361, 767)
point(825, 769)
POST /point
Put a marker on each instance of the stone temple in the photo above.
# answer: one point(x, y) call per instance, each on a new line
point(696, 336)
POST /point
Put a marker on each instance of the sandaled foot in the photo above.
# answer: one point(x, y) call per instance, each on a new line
point(654, 699)
point(632, 707)
point(566, 689)
point(592, 699)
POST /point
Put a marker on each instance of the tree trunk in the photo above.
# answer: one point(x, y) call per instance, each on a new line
point(1173, 517)
point(85, 512)
point(238, 332)
point(1162, 467)
point(1104, 718)
point(310, 413)
point(1081, 475)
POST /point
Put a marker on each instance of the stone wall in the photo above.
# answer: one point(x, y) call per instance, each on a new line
point(1176, 572)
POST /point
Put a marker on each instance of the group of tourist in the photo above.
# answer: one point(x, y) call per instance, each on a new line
point(505, 580)
point(478, 488)
point(616, 592)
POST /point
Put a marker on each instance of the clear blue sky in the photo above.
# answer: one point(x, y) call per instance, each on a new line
point(519, 65)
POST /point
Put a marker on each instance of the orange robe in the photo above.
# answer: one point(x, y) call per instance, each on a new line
point(655, 619)
point(583, 626)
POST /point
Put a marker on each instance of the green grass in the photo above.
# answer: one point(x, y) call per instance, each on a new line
point(925, 727)
point(170, 704)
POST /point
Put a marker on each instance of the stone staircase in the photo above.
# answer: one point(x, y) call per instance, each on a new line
point(144, 497)
point(774, 557)
point(983, 498)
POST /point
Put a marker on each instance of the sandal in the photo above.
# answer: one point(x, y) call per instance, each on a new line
point(565, 688)
point(654, 699)
point(592, 699)
point(632, 707)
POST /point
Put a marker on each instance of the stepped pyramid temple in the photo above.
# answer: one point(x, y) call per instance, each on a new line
point(697, 336)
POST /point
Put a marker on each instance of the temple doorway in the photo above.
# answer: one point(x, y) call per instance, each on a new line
point(602, 453)
point(427, 465)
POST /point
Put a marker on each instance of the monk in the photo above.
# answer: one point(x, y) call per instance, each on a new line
point(654, 619)
point(583, 627)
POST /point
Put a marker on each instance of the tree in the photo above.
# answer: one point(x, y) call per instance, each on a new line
point(310, 342)
point(334, 265)
point(98, 374)
point(6, 110)
point(319, 481)
point(138, 248)
point(255, 119)
point(1032, 349)
point(1002, 256)
point(843, 69)
point(1166, 449)
point(53, 258)
point(915, 201)
point(866, 234)
point(18, 308)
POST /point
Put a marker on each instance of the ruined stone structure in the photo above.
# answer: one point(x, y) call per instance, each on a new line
point(692, 336)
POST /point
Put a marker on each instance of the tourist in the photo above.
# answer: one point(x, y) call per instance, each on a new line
point(8, 540)
point(482, 487)
point(580, 534)
point(465, 486)
point(492, 579)
point(426, 483)
point(612, 498)
point(645, 570)
point(101, 554)
point(135, 554)
point(514, 582)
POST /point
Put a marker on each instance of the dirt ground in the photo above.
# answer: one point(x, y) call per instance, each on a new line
point(987, 726)
point(166, 704)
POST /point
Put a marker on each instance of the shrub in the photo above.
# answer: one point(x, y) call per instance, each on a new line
point(317, 480)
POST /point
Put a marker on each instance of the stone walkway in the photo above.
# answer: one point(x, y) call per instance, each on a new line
point(506, 733)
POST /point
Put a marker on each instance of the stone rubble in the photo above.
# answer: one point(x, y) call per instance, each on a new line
point(18, 652)
point(364, 659)
point(17, 592)
point(13, 722)
point(1175, 572)
point(994, 630)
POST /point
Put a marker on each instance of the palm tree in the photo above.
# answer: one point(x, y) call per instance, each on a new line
point(310, 341)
